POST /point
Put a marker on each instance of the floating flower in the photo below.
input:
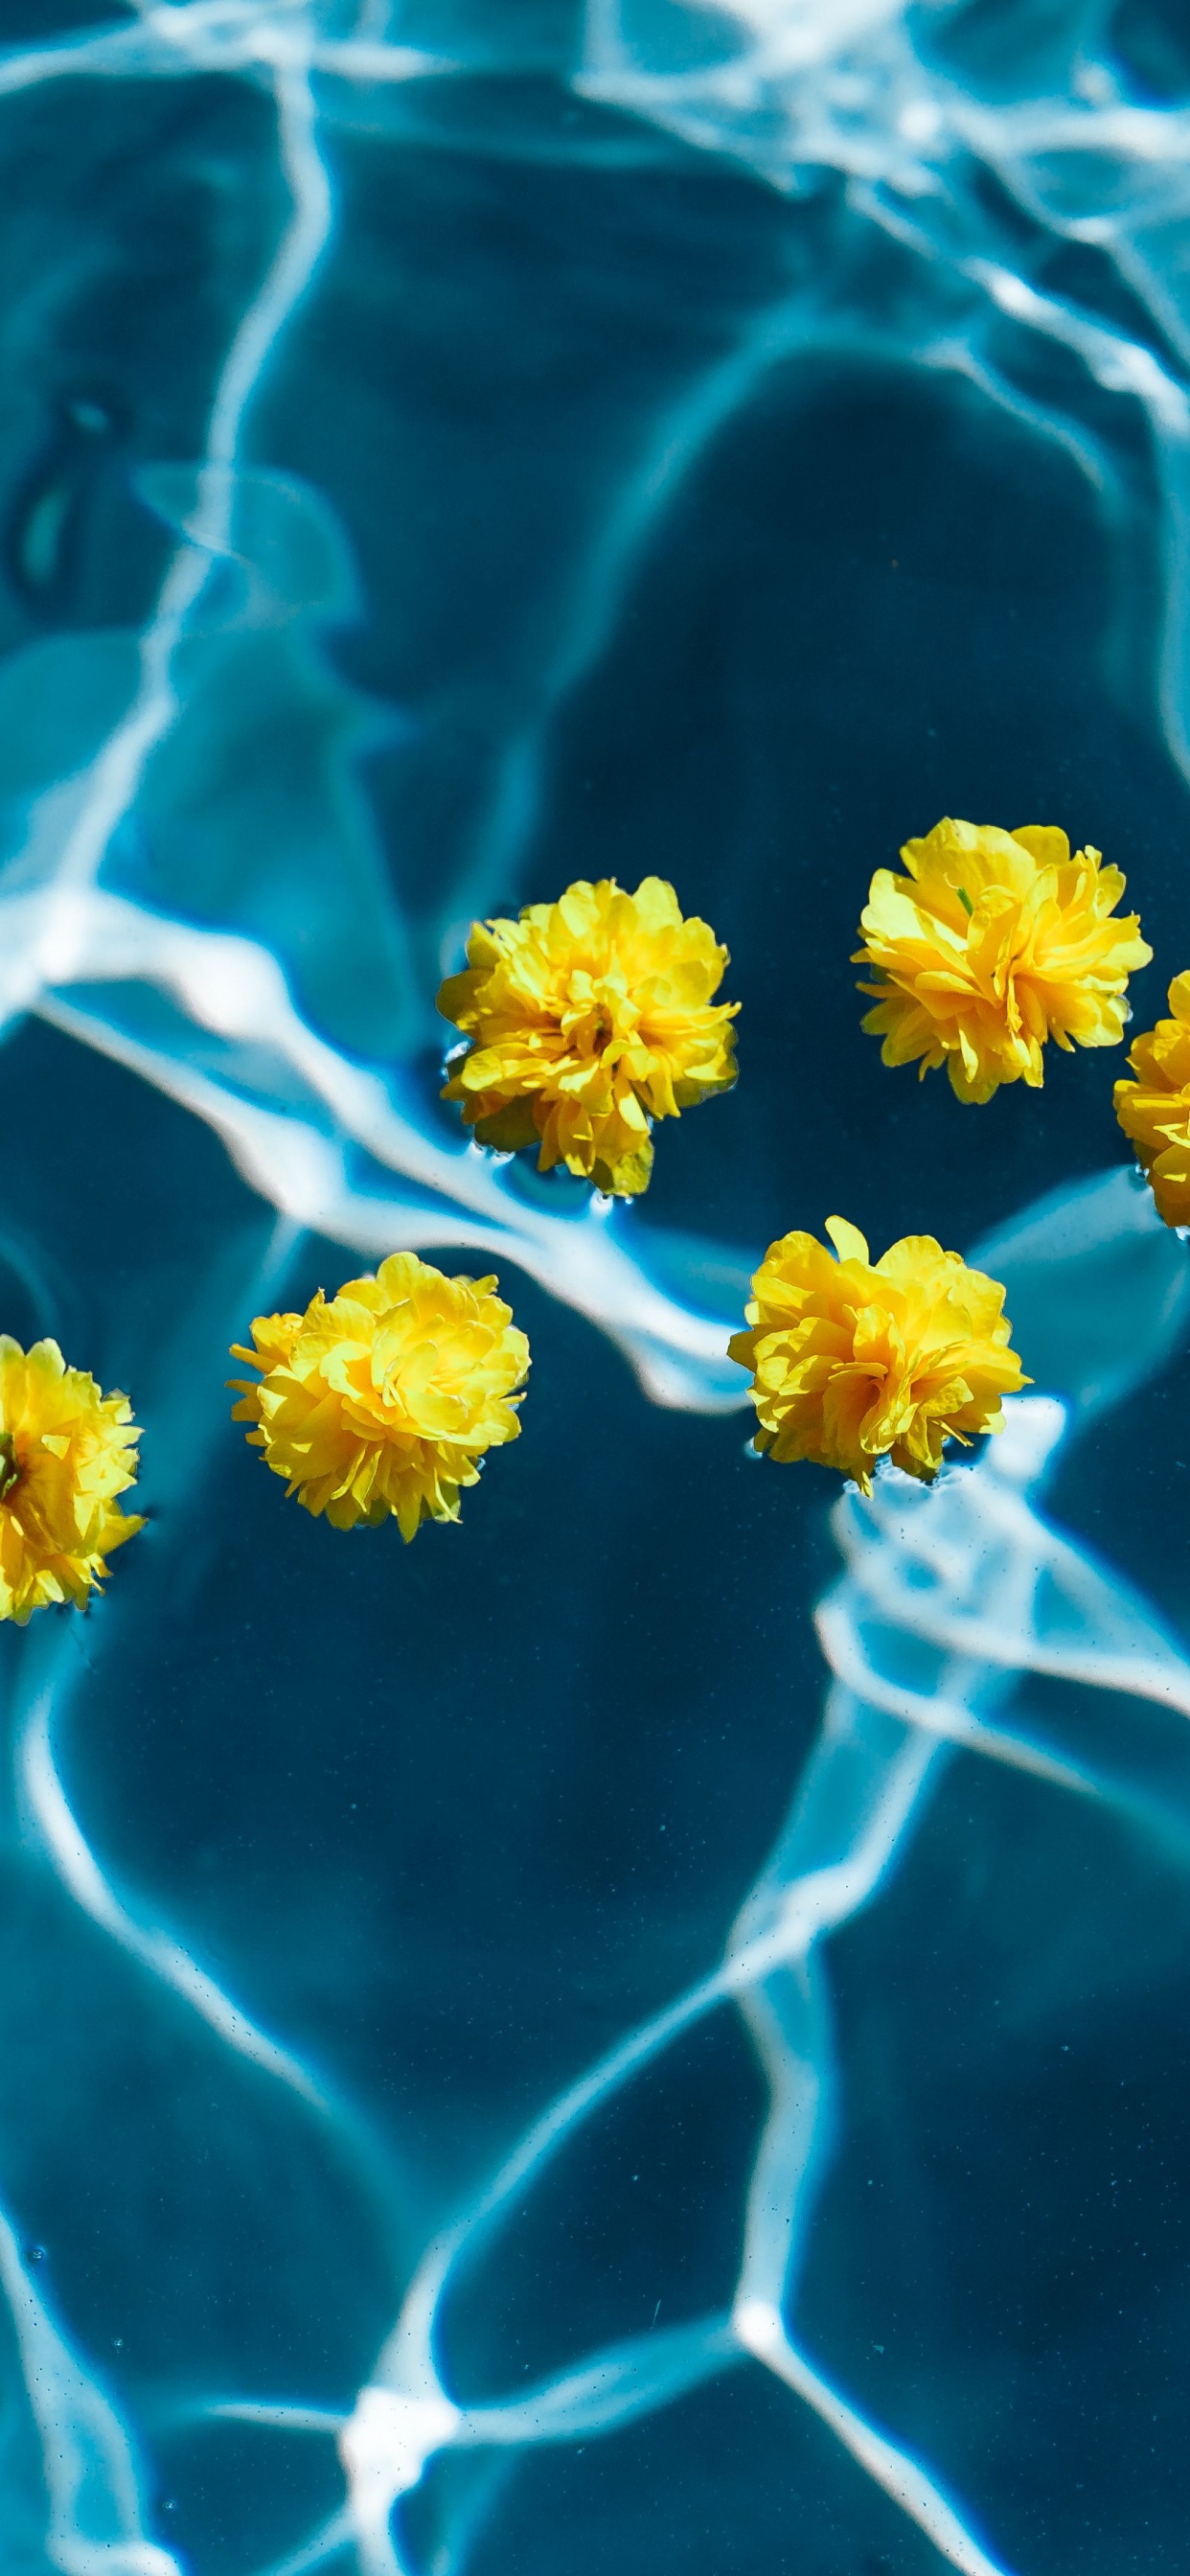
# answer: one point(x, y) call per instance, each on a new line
point(854, 1360)
point(589, 1018)
point(66, 1451)
point(1154, 1111)
point(994, 942)
point(384, 1400)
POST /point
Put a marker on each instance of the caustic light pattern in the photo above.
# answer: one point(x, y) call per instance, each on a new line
point(854, 1360)
point(383, 1400)
point(1154, 1109)
point(66, 1452)
point(589, 1018)
point(239, 878)
point(994, 943)
point(950, 1599)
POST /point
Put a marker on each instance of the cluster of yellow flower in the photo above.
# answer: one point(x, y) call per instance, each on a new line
point(997, 941)
point(993, 943)
point(584, 1021)
point(66, 1451)
point(587, 1018)
point(384, 1401)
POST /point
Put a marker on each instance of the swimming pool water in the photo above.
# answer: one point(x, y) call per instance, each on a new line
point(646, 2031)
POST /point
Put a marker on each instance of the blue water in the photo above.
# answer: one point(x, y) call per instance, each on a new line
point(648, 2032)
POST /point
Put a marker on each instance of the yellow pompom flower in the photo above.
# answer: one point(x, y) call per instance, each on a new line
point(588, 1018)
point(66, 1451)
point(854, 1360)
point(1154, 1111)
point(995, 942)
point(383, 1399)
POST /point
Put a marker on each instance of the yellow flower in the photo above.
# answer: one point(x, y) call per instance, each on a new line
point(66, 1451)
point(1154, 1111)
point(588, 1018)
point(385, 1399)
point(854, 1360)
point(994, 942)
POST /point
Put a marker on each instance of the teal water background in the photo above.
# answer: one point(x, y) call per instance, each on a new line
point(648, 2031)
